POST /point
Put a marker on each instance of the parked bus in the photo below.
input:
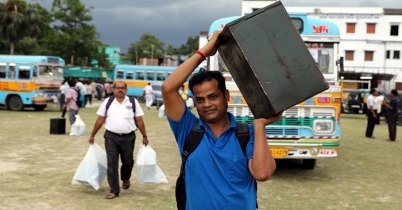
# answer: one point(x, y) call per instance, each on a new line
point(311, 129)
point(137, 77)
point(29, 81)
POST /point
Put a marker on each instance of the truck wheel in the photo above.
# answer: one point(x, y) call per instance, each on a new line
point(309, 163)
point(15, 103)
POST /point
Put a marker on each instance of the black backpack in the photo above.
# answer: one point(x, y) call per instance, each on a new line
point(191, 143)
point(110, 100)
point(78, 101)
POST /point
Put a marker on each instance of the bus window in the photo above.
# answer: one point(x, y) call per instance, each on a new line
point(169, 74)
point(24, 72)
point(58, 70)
point(140, 75)
point(130, 75)
point(35, 71)
point(160, 76)
point(120, 74)
point(3, 70)
point(11, 71)
point(45, 71)
point(151, 75)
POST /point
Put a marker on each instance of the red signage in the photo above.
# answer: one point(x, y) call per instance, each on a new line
point(320, 29)
point(324, 99)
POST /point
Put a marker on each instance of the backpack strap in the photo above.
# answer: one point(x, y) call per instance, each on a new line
point(192, 141)
point(109, 102)
point(243, 135)
point(133, 105)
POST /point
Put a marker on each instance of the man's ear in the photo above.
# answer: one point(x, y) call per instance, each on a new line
point(227, 95)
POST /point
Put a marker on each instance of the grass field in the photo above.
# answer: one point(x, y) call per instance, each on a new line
point(36, 169)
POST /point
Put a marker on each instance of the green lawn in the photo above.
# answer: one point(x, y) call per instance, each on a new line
point(36, 169)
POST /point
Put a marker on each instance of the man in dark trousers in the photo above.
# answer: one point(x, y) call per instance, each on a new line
point(119, 136)
point(371, 113)
point(392, 114)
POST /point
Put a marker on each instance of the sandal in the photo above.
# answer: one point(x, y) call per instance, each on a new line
point(126, 184)
point(111, 196)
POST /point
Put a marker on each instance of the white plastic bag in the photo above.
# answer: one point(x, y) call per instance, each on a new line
point(161, 111)
point(78, 127)
point(190, 103)
point(92, 169)
point(147, 169)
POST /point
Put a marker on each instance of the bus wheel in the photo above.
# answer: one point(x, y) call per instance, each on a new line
point(15, 104)
point(309, 163)
point(39, 107)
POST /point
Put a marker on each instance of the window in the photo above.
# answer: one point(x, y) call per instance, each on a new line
point(120, 74)
point(24, 72)
point(349, 54)
point(140, 75)
point(388, 54)
point(3, 70)
point(350, 28)
point(11, 71)
point(397, 54)
point(368, 55)
point(160, 76)
point(370, 28)
point(151, 75)
point(394, 30)
point(130, 75)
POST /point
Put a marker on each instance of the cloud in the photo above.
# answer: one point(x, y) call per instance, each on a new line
point(121, 22)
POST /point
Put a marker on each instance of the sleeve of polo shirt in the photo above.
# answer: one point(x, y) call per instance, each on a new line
point(181, 129)
point(138, 110)
point(250, 145)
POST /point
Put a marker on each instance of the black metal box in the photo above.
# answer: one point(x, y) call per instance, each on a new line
point(57, 126)
point(269, 61)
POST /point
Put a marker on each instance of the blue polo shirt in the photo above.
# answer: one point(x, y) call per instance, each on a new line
point(217, 174)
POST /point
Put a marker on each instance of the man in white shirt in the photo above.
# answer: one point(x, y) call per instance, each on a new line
point(149, 95)
point(120, 122)
point(378, 100)
point(371, 113)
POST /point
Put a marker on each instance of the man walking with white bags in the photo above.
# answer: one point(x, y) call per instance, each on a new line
point(122, 116)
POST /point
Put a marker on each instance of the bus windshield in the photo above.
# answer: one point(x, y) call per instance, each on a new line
point(50, 71)
point(324, 58)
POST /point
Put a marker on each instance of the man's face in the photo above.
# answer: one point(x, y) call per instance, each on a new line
point(120, 89)
point(375, 93)
point(210, 102)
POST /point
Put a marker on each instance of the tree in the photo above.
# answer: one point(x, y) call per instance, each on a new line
point(148, 46)
point(19, 19)
point(190, 47)
point(75, 39)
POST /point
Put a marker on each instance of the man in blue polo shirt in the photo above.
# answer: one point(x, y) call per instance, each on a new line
point(217, 175)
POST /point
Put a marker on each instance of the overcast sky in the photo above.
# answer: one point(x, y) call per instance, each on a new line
point(121, 22)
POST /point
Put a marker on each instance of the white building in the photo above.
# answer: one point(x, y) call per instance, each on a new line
point(371, 39)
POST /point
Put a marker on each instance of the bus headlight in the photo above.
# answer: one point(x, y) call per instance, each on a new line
point(323, 126)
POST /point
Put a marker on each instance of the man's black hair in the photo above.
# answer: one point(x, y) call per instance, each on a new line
point(71, 83)
point(203, 76)
point(372, 91)
point(394, 92)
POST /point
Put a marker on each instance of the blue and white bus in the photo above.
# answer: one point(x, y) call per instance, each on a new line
point(29, 81)
point(311, 129)
point(137, 77)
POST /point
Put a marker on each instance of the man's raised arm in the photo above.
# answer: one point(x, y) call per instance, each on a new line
point(174, 106)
